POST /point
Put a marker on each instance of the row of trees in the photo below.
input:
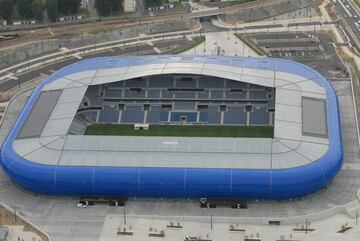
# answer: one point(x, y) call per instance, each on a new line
point(154, 3)
point(108, 7)
point(29, 9)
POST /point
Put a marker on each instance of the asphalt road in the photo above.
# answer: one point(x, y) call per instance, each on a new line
point(349, 22)
point(167, 47)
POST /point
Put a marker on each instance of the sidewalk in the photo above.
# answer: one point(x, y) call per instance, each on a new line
point(221, 43)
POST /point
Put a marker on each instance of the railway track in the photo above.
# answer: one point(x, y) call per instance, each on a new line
point(37, 33)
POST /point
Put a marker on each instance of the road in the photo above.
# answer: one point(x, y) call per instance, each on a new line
point(140, 8)
point(92, 9)
point(349, 21)
point(45, 65)
point(43, 32)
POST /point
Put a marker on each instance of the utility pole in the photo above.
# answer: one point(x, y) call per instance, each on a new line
point(124, 216)
point(211, 221)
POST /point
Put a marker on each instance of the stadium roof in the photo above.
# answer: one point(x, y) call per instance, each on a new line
point(300, 128)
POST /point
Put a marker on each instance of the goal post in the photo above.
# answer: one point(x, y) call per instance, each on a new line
point(141, 126)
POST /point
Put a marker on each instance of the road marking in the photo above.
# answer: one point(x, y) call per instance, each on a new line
point(150, 43)
point(157, 50)
point(77, 55)
point(345, 8)
point(12, 76)
point(64, 49)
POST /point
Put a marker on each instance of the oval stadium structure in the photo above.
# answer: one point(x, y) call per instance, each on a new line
point(48, 151)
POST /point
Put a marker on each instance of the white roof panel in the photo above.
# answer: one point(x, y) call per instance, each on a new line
point(289, 148)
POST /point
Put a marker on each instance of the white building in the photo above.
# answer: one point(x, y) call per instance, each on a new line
point(129, 6)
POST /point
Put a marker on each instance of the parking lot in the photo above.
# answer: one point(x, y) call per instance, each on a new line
point(288, 44)
point(314, 49)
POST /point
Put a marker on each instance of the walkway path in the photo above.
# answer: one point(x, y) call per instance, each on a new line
point(221, 43)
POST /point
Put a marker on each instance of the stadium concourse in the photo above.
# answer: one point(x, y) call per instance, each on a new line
point(47, 152)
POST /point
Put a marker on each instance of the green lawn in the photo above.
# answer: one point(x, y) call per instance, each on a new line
point(181, 130)
point(235, 2)
point(357, 2)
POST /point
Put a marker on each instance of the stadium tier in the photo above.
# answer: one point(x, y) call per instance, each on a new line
point(250, 128)
point(174, 99)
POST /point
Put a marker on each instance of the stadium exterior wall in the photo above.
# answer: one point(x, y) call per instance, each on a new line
point(178, 182)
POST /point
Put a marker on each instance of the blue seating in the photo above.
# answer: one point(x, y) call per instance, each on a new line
point(203, 116)
point(217, 94)
point(166, 94)
point(235, 115)
point(211, 83)
point(177, 116)
point(92, 115)
point(116, 84)
point(92, 94)
point(232, 84)
point(89, 115)
point(153, 115)
point(164, 115)
point(184, 95)
point(258, 95)
point(109, 114)
point(161, 82)
point(180, 83)
point(139, 82)
point(153, 93)
point(134, 94)
point(184, 105)
point(235, 95)
point(113, 93)
point(203, 94)
point(213, 115)
point(132, 114)
point(259, 116)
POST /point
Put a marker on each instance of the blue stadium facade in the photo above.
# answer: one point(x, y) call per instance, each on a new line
point(178, 182)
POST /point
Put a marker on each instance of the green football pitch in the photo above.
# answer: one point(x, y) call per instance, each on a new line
point(182, 131)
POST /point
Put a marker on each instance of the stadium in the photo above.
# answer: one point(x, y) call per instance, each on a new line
point(178, 127)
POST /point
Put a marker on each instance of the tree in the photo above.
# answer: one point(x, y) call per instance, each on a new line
point(107, 7)
point(52, 9)
point(68, 7)
point(38, 8)
point(153, 3)
point(6, 7)
point(24, 8)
